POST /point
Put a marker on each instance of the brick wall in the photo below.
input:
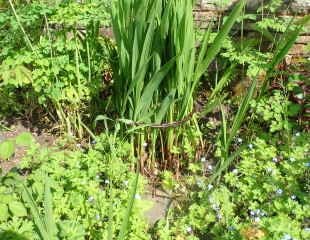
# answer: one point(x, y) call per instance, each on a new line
point(209, 10)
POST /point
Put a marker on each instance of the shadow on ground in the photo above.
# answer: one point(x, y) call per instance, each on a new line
point(10, 235)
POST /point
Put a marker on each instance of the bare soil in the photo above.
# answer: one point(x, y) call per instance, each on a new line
point(43, 138)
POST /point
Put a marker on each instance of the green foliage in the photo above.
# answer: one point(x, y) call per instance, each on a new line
point(86, 193)
point(265, 189)
point(273, 111)
point(45, 224)
point(7, 149)
point(83, 14)
point(157, 70)
point(51, 62)
point(63, 67)
point(24, 139)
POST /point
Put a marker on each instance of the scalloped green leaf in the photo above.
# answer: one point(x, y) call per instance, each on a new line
point(7, 149)
point(4, 212)
point(24, 139)
point(17, 209)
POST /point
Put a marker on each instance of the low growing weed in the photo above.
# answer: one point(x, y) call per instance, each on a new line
point(262, 197)
point(89, 194)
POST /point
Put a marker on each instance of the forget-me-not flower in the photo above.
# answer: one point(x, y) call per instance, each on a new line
point(189, 229)
point(137, 196)
point(274, 159)
point(279, 191)
point(292, 159)
point(286, 237)
point(91, 199)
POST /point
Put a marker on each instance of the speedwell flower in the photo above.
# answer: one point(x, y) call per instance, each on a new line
point(91, 199)
point(138, 197)
point(275, 160)
point(189, 229)
point(279, 191)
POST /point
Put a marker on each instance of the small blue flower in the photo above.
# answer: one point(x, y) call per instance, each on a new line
point(286, 237)
point(235, 171)
point(215, 207)
point(97, 217)
point(275, 160)
point(231, 228)
point(263, 214)
point(91, 199)
point(199, 183)
point(93, 142)
point(307, 164)
point(189, 229)
point(137, 197)
point(292, 159)
point(279, 191)
point(252, 213)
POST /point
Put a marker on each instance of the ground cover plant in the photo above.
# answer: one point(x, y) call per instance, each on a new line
point(159, 129)
point(81, 184)
point(58, 67)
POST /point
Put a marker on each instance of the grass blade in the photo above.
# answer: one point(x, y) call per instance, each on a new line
point(125, 228)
